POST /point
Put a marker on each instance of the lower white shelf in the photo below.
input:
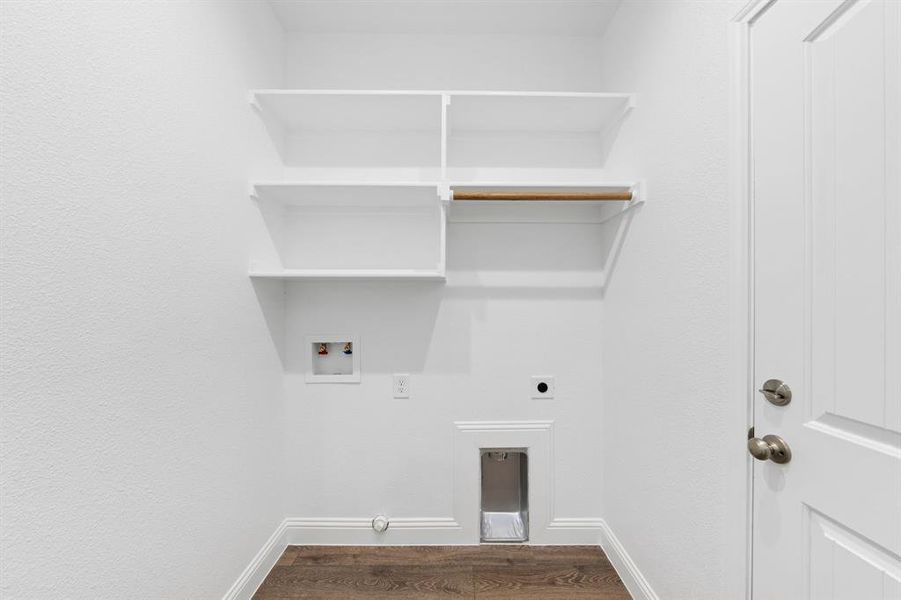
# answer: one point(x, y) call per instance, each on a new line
point(350, 274)
point(396, 231)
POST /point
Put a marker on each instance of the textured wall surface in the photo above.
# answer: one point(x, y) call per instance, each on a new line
point(673, 453)
point(142, 422)
point(456, 61)
point(471, 347)
point(140, 414)
point(521, 299)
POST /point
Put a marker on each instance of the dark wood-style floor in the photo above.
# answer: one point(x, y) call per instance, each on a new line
point(489, 572)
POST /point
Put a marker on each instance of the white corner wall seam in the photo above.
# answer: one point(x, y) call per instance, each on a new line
point(250, 579)
point(632, 577)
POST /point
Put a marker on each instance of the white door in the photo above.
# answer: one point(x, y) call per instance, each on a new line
point(825, 121)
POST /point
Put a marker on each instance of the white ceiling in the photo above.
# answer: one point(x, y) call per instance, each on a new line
point(549, 17)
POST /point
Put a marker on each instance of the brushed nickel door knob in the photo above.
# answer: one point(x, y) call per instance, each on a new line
point(770, 447)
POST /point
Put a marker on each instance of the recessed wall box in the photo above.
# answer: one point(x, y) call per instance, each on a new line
point(505, 495)
point(333, 358)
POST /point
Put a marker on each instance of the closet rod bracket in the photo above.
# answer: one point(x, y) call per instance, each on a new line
point(445, 193)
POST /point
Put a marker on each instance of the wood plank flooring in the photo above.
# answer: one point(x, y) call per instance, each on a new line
point(489, 572)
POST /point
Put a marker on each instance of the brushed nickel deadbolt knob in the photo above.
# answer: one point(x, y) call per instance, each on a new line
point(770, 447)
point(776, 392)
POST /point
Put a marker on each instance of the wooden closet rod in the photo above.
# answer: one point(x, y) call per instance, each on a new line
point(539, 196)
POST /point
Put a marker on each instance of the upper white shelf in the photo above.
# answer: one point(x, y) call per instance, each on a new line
point(351, 110)
point(349, 274)
point(443, 134)
point(536, 111)
point(410, 110)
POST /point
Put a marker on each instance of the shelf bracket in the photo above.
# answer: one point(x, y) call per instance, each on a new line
point(254, 102)
point(444, 192)
point(639, 197)
point(637, 194)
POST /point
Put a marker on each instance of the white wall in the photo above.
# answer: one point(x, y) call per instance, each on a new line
point(442, 61)
point(140, 446)
point(673, 437)
point(140, 443)
point(471, 347)
point(438, 61)
point(521, 299)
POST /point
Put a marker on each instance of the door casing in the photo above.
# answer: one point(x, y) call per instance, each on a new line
point(741, 286)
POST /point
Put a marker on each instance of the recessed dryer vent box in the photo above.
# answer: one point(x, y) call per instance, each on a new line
point(505, 495)
point(333, 359)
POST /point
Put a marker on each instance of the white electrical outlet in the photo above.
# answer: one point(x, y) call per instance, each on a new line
point(401, 385)
point(543, 386)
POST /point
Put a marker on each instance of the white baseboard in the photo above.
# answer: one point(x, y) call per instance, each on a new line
point(425, 532)
point(358, 532)
point(252, 576)
point(564, 531)
point(625, 567)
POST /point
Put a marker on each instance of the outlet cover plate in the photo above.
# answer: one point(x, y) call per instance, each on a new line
point(548, 380)
point(401, 385)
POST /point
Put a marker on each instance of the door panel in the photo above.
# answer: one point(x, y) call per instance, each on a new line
point(846, 565)
point(827, 240)
point(847, 104)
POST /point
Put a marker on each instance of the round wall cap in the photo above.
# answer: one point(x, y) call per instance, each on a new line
point(380, 523)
